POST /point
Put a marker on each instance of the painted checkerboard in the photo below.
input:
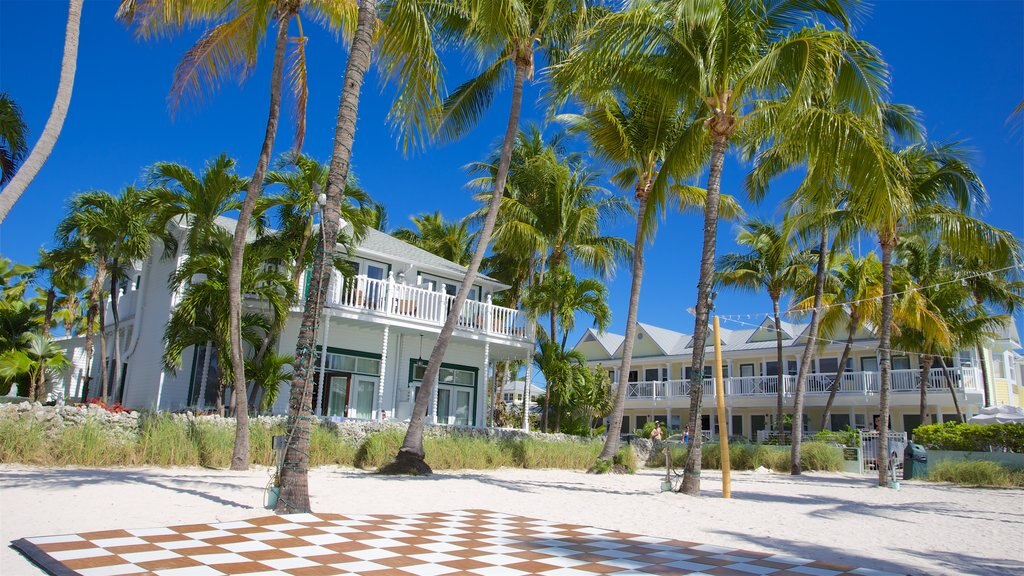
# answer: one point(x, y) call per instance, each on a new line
point(475, 542)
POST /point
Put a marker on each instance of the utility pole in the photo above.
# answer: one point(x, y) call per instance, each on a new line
point(723, 426)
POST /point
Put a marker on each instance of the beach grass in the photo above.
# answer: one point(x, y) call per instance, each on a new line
point(814, 456)
point(976, 473)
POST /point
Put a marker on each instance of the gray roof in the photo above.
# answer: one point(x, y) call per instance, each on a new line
point(380, 244)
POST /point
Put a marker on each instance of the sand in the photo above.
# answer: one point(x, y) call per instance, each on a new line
point(921, 529)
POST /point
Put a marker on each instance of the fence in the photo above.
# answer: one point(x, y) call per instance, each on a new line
point(869, 450)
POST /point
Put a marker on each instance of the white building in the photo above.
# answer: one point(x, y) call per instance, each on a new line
point(658, 380)
point(380, 328)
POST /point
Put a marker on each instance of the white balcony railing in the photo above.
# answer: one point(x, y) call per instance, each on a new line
point(902, 381)
point(392, 299)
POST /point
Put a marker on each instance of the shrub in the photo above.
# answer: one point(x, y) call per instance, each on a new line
point(820, 456)
point(813, 456)
point(971, 437)
point(645, 432)
point(847, 437)
point(975, 473)
point(23, 440)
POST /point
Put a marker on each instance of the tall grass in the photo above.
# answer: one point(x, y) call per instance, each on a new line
point(975, 473)
point(813, 456)
point(165, 441)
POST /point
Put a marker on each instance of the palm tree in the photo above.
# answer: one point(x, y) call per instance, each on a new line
point(41, 151)
point(562, 291)
point(773, 264)
point(449, 239)
point(930, 188)
point(851, 300)
point(36, 355)
point(408, 56)
point(60, 267)
point(994, 281)
point(730, 65)
point(296, 208)
point(516, 31)
point(12, 138)
point(201, 316)
point(635, 134)
point(117, 231)
point(193, 201)
point(268, 374)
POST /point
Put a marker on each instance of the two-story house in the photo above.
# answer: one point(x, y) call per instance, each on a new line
point(658, 380)
point(380, 325)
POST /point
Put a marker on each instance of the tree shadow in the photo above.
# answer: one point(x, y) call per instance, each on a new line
point(817, 552)
point(80, 477)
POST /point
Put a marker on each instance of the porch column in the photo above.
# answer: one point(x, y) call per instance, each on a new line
point(383, 370)
point(484, 393)
point(526, 391)
point(318, 409)
point(728, 420)
point(668, 421)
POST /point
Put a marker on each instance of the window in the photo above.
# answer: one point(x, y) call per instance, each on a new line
point(791, 368)
point(611, 376)
point(771, 368)
point(998, 369)
point(966, 358)
point(633, 375)
point(828, 365)
point(900, 363)
point(737, 425)
point(869, 364)
point(640, 421)
point(746, 370)
point(339, 362)
point(445, 375)
point(839, 421)
point(652, 374)
point(708, 372)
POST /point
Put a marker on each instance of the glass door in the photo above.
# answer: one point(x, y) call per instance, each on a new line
point(365, 389)
point(337, 397)
point(444, 405)
point(463, 408)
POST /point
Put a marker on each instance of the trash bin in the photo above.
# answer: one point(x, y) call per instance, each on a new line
point(915, 461)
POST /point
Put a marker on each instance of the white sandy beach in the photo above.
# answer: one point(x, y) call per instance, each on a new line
point(921, 529)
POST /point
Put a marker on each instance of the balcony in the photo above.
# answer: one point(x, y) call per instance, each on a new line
point(902, 381)
point(389, 299)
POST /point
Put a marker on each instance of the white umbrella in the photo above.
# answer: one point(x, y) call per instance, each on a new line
point(1004, 414)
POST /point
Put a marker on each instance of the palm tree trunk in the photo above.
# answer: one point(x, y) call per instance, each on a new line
point(984, 375)
point(96, 305)
point(240, 454)
point(410, 457)
point(499, 385)
point(611, 441)
point(51, 295)
point(114, 277)
point(90, 319)
point(926, 371)
point(834, 389)
point(220, 388)
point(295, 471)
point(805, 361)
point(885, 361)
point(41, 151)
point(548, 386)
point(952, 389)
point(779, 408)
point(201, 401)
point(691, 470)
point(104, 369)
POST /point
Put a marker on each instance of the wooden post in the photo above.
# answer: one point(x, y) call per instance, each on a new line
point(723, 425)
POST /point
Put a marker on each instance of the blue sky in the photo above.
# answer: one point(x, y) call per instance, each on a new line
point(960, 62)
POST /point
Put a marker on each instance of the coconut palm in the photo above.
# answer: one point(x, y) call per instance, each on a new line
point(449, 239)
point(634, 134)
point(202, 314)
point(770, 263)
point(39, 357)
point(851, 300)
point(195, 201)
point(295, 208)
point(994, 282)
point(41, 151)
point(515, 32)
point(117, 232)
point(55, 270)
point(561, 291)
point(12, 138)
point(729, 64)
point(931, 188)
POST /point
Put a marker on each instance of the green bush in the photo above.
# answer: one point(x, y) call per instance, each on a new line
point(975, 473)
point(847, 437)
point(645, 432)
point(971, 437)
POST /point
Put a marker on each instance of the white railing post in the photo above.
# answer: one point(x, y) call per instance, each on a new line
point(488, 316)
point(389, 291)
